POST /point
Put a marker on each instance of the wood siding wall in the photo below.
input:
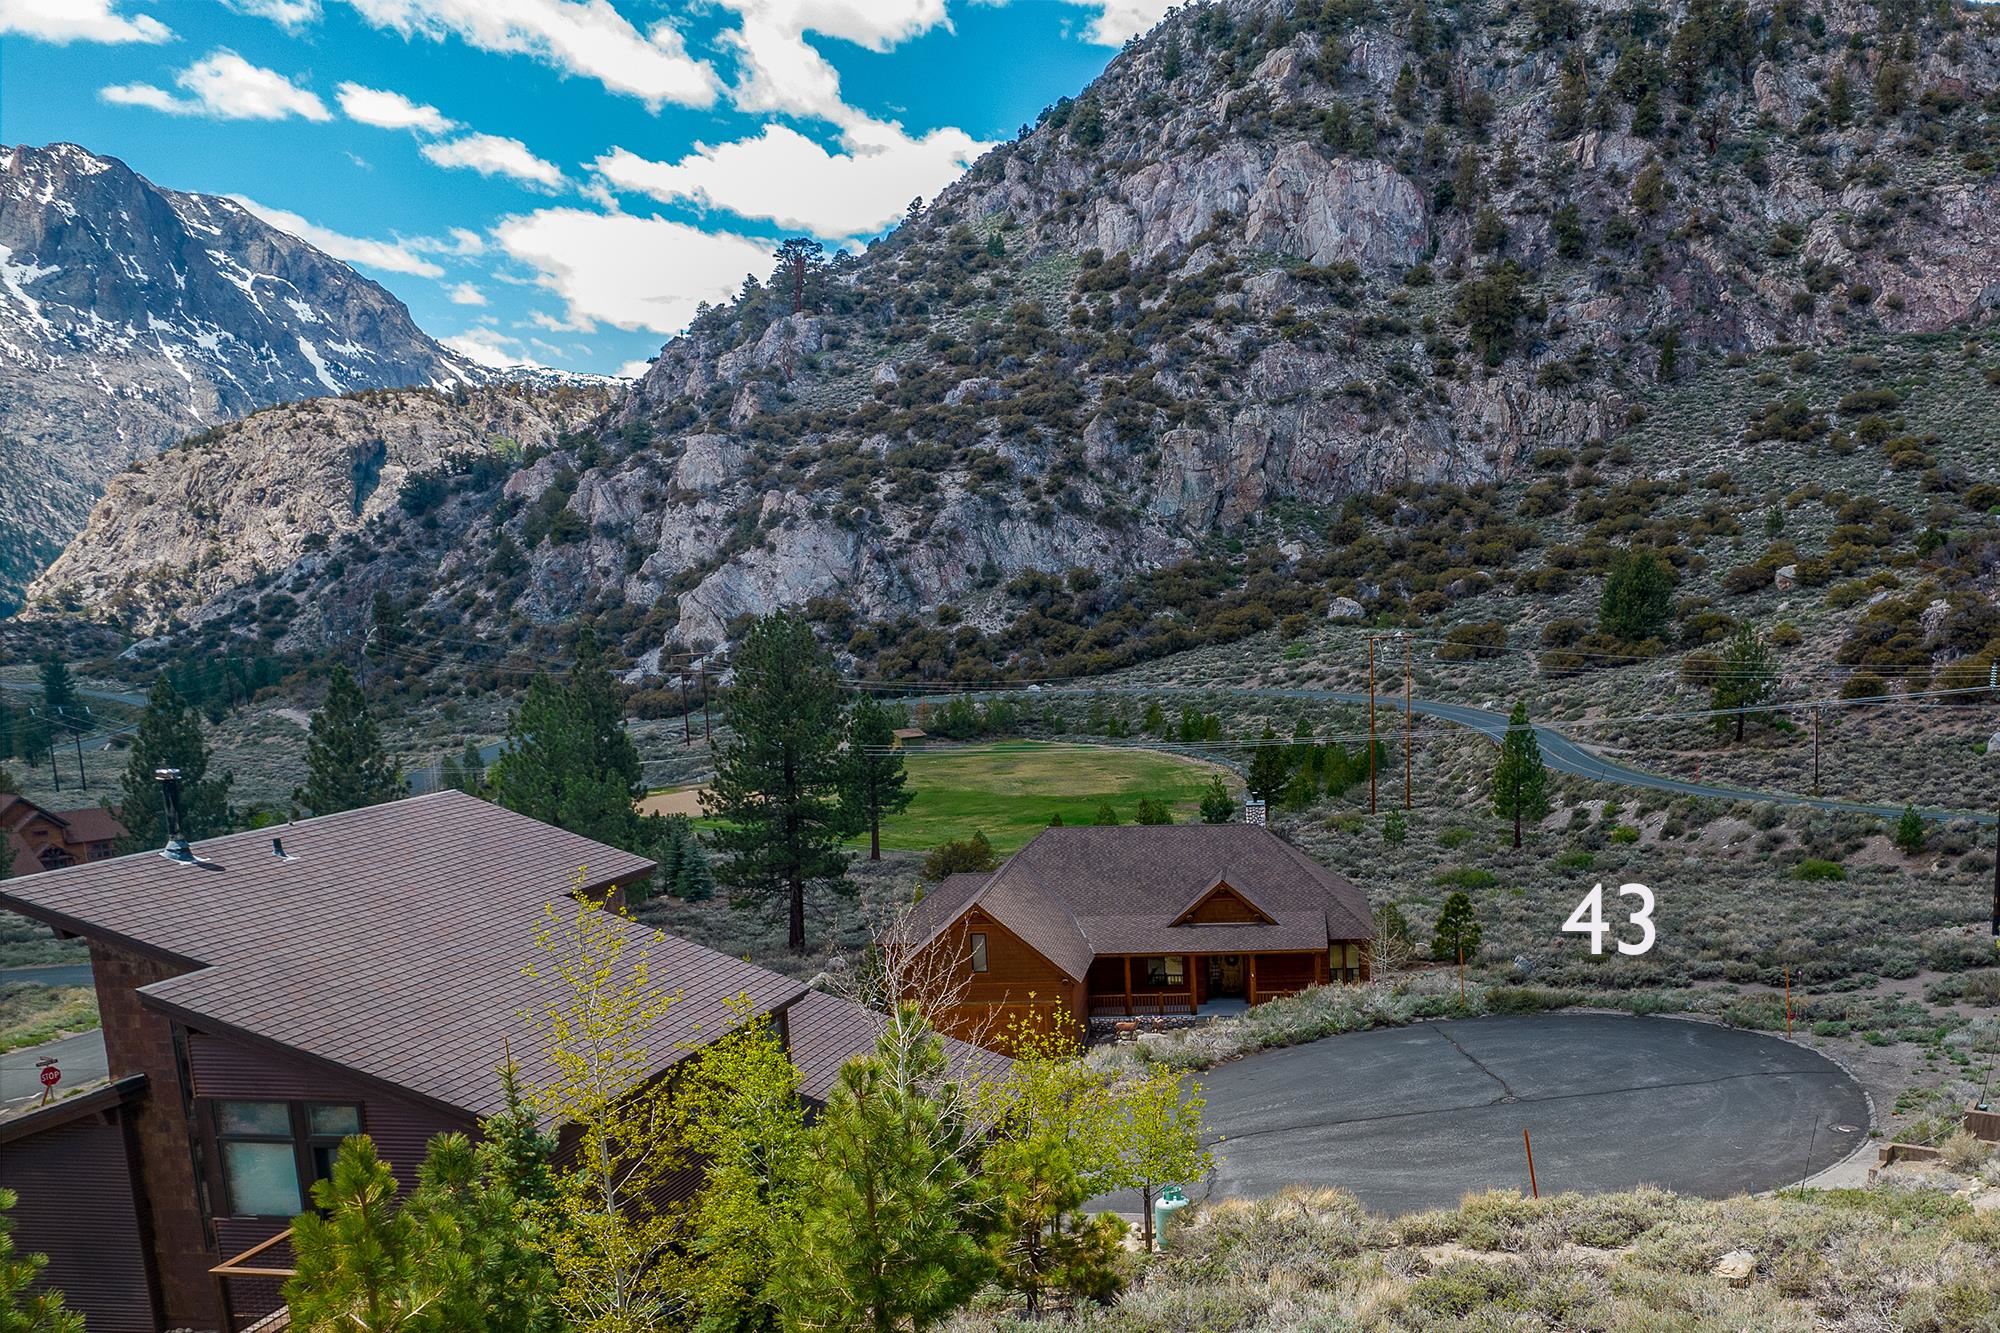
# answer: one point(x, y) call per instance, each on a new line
point(79, 1206)
point(1020, 986)
point(222, 1069)
point(1224, 905)
point(139, 1041)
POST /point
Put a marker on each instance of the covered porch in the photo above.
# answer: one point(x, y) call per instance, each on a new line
point(1200, 984)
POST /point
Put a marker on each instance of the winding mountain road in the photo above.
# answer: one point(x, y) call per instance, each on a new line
point(1559, 751)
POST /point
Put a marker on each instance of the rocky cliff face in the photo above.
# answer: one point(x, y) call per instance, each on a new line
point(1278, 255)
point(131, 316)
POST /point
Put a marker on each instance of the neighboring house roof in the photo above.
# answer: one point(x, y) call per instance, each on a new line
point(828, 1031)
point(390, 941)
point(1075, 893)
point(80, 829)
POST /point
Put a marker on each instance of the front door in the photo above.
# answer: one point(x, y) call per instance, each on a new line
point(1225, 974)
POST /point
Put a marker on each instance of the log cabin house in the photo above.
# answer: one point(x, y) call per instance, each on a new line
point(1136, 920)
point(360, 972)
point(34, 839)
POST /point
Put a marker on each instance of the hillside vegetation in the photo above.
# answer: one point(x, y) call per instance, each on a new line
point(1416, 305)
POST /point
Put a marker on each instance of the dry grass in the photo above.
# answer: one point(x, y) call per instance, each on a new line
point(1314, 1260)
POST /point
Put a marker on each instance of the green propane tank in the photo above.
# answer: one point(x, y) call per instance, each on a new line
point(1170, 1202)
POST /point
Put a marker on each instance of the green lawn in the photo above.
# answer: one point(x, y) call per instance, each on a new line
point(1008, 791)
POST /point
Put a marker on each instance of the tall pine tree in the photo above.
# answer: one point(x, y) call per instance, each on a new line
point(1520, 779)
point(873, 783)
point(170, 736)
point(778, 774)
point(346, 767)
point(567, 760)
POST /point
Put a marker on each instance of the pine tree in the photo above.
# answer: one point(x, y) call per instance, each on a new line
point(1910, 831)
point(346, 767)
point(694, 882)
point(170, 736)
point(872, 783)
point(1638, 597)
point(1106, 815)
point(567, 760)
point(6, 727)
point(59, 699)
point(892, 1232)
point(1268, 767)
point(1458, 930)
point(1153, 811)
point(1746, 678)
point(1520, 779)
point(1217, 807)
point(363, 1260)
point(778, 772)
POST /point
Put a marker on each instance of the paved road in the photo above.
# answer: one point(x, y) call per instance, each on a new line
point(97, 741)
point(1412, 1118)
point(53, 974)
point(81, 1059)
point(1559, 751)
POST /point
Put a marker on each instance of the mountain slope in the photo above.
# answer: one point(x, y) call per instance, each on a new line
point(132, 315)
point(1277, 256)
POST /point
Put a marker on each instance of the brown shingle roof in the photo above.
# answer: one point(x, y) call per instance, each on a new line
point(90, 823)
point(391, 942)
point(1074, 893)
point(828, 1031)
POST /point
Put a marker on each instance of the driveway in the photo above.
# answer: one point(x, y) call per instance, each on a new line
point(1413, 1118)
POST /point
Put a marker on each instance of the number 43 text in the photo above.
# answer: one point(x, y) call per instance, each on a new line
point(1588, 918)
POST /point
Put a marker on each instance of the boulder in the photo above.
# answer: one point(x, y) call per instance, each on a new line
point(1344, 608)
point(1737, 1267)
point(1785, 578)
point(1932, 619)
point(707, 463)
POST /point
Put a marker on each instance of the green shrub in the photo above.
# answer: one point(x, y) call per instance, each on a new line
point(1466, 877)
point(1817, 869)
point(1625, 835)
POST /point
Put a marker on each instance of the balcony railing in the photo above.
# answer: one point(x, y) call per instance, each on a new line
point(252, 1285)
point(1147, 1004)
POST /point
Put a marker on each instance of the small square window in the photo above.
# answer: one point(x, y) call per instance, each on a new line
point(335, 1121)
point(979, 953)
point(263, 1179)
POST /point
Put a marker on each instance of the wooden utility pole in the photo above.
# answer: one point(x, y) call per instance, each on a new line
point(687, 714)
point(1996, 890)
point(1408, 724)
point(1371, 724)
point(1815, 725)
point(707, 735)
point(1788, 1001)
point(1534, 1189)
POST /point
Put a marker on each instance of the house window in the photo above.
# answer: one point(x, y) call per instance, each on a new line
point(272, 1152)
point(979, 953)
point(1166, 971)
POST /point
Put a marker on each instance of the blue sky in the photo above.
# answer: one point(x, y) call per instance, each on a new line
point(557, 181)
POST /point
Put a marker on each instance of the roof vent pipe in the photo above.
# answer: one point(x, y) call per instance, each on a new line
point(177, 848)
point(278, 849)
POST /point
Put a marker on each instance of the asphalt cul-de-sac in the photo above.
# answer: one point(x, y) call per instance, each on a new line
point(1415, 1117)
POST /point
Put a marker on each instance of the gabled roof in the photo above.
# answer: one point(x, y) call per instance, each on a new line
point(79, 828)
point(1075, 893)
point(390, 941)
point(1219, 886)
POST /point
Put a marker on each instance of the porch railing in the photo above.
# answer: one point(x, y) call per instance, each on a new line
point(251, 1285)
point(1143, 1004)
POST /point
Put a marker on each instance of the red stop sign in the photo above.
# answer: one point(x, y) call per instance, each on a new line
point(51, 1076)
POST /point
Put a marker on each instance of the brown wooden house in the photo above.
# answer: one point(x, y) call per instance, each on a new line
point(34, 839)
point(1138, 920)
point(361, 972)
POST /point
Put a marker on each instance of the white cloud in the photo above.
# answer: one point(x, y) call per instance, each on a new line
point(390, 256)
point(487, 347)
point(583, 37)
point(467, 294)
point(65, 21)
point(1119, 20)
point(633, 272)
point(391, 110)
point(491, 155)
point(633, 370)
point(462, 243)
point(290, 15)
point(788, 178)
point(228, 87)
point(778, 70)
